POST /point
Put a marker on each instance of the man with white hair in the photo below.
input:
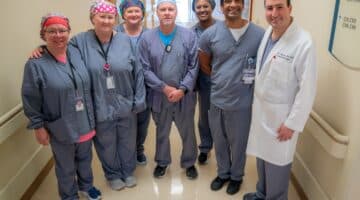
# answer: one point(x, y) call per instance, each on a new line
point(168, 54)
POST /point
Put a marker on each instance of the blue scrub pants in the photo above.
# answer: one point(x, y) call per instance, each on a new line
point(72, 168)
point(273, 180)
point(143, 120)
point(204, 86)
point(184, 121)
point(230, 131)
point(115, 144)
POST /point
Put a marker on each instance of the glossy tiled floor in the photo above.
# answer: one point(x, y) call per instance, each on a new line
point(174, 186)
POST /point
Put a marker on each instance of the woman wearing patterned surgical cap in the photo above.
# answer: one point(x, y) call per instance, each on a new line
point(118, 93)
point(57, 100)
point(132, 12)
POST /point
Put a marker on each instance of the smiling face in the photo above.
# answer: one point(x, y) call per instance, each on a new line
point(232, 9)
point(277, 13)
point(133, 15)
point(166, 13)
point(56, 36)
point(103, 22)
point(203, 10)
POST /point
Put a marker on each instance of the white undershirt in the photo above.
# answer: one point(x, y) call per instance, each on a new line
point(238, 32)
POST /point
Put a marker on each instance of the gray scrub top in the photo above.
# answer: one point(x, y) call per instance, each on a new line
point(129, 92)
point(203, 79)
point(229, 59)
point(177, 68)
point(199, 30)
point(49, 97)
point(120, 28)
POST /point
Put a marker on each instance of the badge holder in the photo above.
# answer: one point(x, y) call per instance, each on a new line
point(110, 83)
point(249, 72)
point(79, 103)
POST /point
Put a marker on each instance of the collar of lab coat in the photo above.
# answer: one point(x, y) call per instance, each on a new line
point(280, 44)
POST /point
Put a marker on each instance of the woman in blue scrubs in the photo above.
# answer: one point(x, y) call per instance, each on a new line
point(56, 99)
point(133, 12)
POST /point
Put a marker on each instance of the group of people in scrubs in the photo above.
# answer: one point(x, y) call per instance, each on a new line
point(255, 90)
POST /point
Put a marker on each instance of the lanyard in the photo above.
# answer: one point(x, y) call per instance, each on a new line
point(72, 76)
point(105, 53)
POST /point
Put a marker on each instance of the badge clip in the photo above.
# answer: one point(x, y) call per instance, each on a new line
point(106, 67)
point(168, 48)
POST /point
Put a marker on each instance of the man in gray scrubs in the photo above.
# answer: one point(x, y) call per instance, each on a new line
point(230, 47)
point(168, 54)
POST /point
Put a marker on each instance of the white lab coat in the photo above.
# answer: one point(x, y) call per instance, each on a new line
point(285, 89)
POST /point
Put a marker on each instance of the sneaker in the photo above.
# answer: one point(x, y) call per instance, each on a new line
point(218, 183)
point(141, 159)
point(191, 172)
point(130, 181)
point(159, 171)
point(233, 187)
point(251, 196)
point(92, 194)
point(116, 184)
point(203, 158)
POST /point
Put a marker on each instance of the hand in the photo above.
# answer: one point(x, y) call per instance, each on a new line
point(167, 90)
point(284, 133)
point(42, 136)
point(176, 95)
point(36, 53)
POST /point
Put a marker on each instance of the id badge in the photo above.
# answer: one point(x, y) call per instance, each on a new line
point(248, 76)
point(110, 84)
point(79, 106)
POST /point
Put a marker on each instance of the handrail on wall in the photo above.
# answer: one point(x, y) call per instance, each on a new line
point(331, 132)
point(9, 115)
point(11, 121)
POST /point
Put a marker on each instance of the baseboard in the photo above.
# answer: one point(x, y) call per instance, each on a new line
point(39, 179)
point(306, 181)
point(298, 188)
point(25, 176)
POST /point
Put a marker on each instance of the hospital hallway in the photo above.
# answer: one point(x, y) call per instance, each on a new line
point(173, 186)
point(326, 161)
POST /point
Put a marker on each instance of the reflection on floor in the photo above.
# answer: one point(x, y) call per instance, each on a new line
point(173, 186)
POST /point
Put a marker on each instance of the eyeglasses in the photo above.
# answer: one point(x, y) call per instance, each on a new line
point(59, 31)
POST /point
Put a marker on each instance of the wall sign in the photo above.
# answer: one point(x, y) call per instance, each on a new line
point(344, 42)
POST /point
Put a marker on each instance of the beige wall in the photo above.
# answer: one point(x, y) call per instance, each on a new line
point(327, 162)
point(20, 156)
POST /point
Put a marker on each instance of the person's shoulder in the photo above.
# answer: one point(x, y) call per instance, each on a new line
point(84, 35)
point(40, 62)
point(218, 25)
point(256, 28)
point(149, 32)
point(120, 28)
point(304, 33)
point(302, 36)
point(120, 35)
point(195, 26)
point(183, 29)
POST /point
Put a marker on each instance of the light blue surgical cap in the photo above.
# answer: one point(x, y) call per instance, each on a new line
point(164, 1)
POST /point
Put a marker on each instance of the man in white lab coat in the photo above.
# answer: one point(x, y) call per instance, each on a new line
point(285, 87)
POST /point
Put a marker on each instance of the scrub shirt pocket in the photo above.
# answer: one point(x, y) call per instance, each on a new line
point(118, 105)
point(64, 129)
